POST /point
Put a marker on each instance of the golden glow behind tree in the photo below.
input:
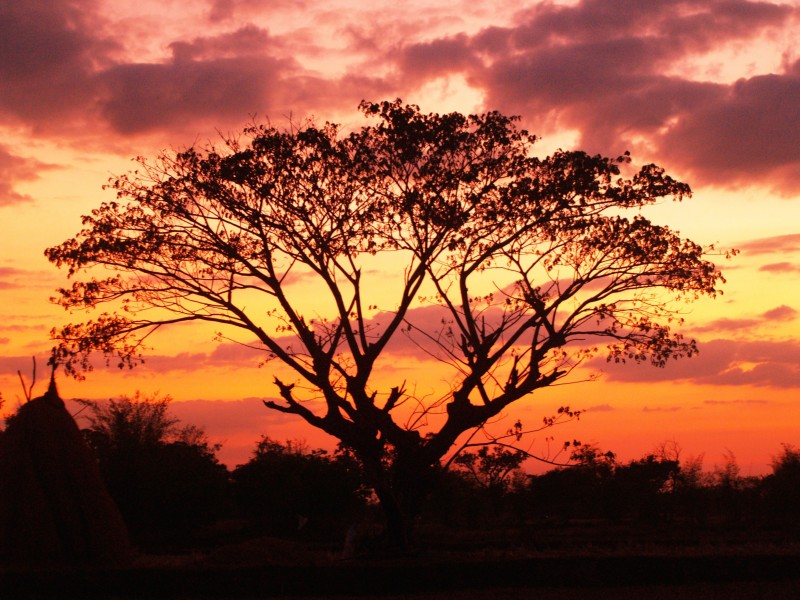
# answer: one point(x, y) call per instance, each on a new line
point(531, 263)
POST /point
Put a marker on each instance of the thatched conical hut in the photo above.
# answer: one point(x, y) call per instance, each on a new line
point(54, 507)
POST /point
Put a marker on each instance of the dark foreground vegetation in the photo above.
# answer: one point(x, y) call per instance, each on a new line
point(174, 495)
point(295, 520)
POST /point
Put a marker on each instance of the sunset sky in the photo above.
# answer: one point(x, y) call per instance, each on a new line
point(708, 89)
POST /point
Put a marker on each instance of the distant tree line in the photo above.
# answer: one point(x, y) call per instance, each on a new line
point(658, 488)
point(174, 493)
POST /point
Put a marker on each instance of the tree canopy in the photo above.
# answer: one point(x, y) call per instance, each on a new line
point(529, 265)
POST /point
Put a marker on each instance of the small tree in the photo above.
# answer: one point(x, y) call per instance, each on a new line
point(526, 267)
point(492, 469)
point(782, 486)
point(164, 476)
point(285, 487)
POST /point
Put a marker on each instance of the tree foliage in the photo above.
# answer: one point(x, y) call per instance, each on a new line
point(490, 469)
point(164, 476)
point(530, 265)
point(287, 487)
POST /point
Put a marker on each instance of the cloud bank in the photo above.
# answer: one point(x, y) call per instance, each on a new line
point(638, 75)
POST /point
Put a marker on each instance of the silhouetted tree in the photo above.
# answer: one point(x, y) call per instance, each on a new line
point(782, 486)
point(640, 488)
point(492, 470)
point(578, 490)
point(165, 477)
point(286, 487)
point(511, 270)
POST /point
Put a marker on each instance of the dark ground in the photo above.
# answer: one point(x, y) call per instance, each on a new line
point(582, 560)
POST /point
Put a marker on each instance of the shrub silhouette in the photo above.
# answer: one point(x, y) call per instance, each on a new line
point(165, 478)
point(782, 487)
point(287, 487)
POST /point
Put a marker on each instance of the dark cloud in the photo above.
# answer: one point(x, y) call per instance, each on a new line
point(428, 60)
point(15, 169)
point(63, 74)
point(598, 68)
point(661, 409)
point(721, 362)
point(742, 134)
point(219, 80)
point(249, 40)
point(145, 97)
point(49, 51)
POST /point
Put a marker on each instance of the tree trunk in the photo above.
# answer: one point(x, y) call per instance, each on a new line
point(398, 527)
point(402, 487)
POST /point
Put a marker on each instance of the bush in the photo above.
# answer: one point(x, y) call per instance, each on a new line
point(285, 488)
point(165, 478)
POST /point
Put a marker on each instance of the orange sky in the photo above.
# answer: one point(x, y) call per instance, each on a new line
point(709, 90)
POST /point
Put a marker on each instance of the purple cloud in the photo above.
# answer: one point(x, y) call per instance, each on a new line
point(48, 54)
point(742, 133)
point(597, 67)
point(720, 362)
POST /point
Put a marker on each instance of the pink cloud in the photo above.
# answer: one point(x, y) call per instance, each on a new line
point(772, 245)
point(742, 133)
point(720, 362)
point(728, 325)
point(592, 66)
point(780, 268)
point(146, 97)
point(780, 313)
point(64, 74)
point(15, 169)
point(49, 53)
point(224, 10)
point(596, 67)
point(9, 365)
